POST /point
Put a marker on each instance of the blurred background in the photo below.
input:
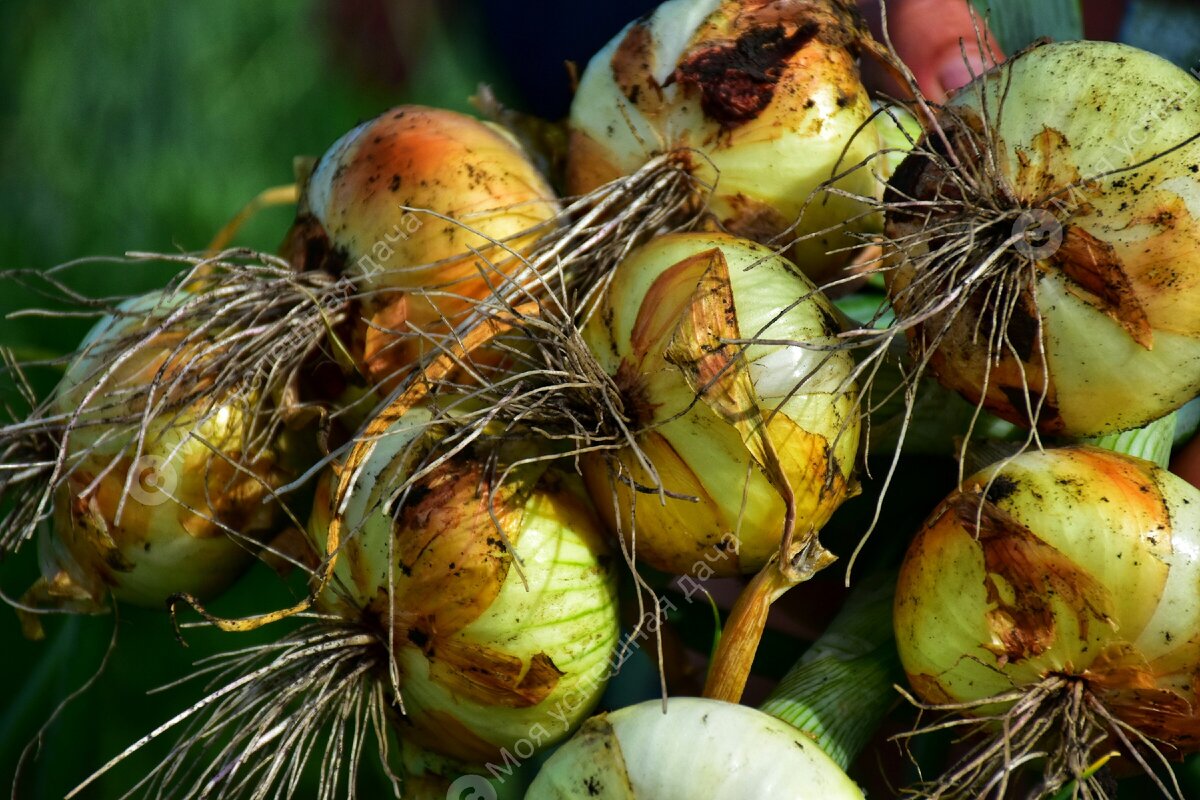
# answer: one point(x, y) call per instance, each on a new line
point(139, 125)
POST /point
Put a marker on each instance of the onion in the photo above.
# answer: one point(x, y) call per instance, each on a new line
point(761, 99)
point(658, 332)
point(179, 508)
point(697, 748)
point(1058, 583)
point(486, 648)
point(834, 698)
point(412, 205)
point(1044, 234)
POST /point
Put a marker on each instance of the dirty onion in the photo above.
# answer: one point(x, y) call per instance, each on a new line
point(750, 444)
point(180, 509)
point(1062, 583)
point(413, 205)
point(487, 641)
point(763, 101)
point(1045, 233)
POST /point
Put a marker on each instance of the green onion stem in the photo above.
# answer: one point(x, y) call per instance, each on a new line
point(841, 687)
point(1187, 420)
point(1151, 442)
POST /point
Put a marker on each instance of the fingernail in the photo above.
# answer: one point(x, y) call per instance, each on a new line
point(957, 72)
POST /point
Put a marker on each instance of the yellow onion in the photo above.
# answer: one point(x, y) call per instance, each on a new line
point(659, 332)
point(470, 184)
point(1075, 565)
point(762, 99)
point(1066, 185)
point(697, 748)
point(491, 655)
point(185, 512)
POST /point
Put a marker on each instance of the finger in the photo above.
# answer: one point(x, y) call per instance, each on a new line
point(941, 41)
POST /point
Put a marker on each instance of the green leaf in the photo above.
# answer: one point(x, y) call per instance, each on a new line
point(1151, 442)
point(1017, 23)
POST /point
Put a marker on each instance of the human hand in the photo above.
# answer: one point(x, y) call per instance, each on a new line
point(939, 40)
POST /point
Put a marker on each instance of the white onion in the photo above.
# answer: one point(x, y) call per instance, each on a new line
point(698, 748)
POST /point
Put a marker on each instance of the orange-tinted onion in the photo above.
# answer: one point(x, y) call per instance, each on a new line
point(470, 184)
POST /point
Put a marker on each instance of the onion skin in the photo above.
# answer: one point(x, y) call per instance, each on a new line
point(698, 748)
point(170, 537)
point(481, 659)
point(767, 94)
point(1119, 299)
point(472, 173)
point(1085, 565)
point(695, 446)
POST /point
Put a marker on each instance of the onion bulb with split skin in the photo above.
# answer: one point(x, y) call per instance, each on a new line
point(1056, 593)
point(762, 100)
point(488, 643)
point(412, 205)
point(1043, 236)
point(724, 430)
point(154, 500)
point(697, 748)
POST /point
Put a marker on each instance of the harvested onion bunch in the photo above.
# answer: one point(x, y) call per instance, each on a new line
point(761, 101)
point(1055, 594)
point(473, 616)
point(1043, 239)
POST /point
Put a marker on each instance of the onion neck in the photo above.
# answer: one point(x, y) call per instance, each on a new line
point(841, 688)
point(1152, 442)
point(743, 631)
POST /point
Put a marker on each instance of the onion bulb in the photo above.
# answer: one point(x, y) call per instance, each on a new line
point(660, 331)
point(763, 100)
point(1045, 239)
point(1059, 577)
point(487, 642)
point(697, 748)
point(184, 510)
point(412, 204)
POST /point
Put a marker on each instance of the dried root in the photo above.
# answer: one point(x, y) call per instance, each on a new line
point(234, 330)
point(1058, 722)
point(267, 712)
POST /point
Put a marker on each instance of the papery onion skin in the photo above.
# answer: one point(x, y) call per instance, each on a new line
point(697, 452)
point(698, 748)
point(767, 94)
point(473, 174)
point(1086, 563)
point(194, 480)
point(482, 660)
point(1119, 300)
